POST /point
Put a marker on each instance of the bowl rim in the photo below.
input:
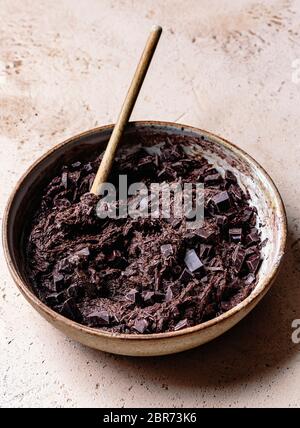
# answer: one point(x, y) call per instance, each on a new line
point(256, 294)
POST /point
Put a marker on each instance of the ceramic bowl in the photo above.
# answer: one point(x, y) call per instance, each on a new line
point(251, 176)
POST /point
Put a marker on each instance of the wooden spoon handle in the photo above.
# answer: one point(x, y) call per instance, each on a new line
point(132, 94)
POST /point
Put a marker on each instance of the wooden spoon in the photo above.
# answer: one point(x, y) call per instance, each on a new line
point(131, 97)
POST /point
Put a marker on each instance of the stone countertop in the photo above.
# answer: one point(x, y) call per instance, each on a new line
point(228, 67)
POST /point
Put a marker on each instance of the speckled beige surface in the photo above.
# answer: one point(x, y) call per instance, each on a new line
point(221, 65)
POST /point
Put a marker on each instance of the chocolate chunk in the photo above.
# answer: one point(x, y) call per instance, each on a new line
point(99, 318)
point(235, 193)
point(238, 258)
point(133, 296)
point(186, 276)
point(252, 237)
point(166, 250)
point(192, 261)
point(230, 178)
point(212, 180)
point(181, 324)
point(83, 252)
point(222, 220)
point(235, 234)
point(70, 310)
point(64, 179)
point(58, 281)
point(75, 290)
point(140, 325)
point(88, 167)
point(206, 234)
point(169, 294)
point(148, 297)
point(55, 298)
point(76, 164)
point(215, 268)
point(206, 251)
point(253, 263)
point(247, 214)
point(222, 201)
point(250, 279)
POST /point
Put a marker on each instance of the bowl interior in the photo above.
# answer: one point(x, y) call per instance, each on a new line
point(223, 155)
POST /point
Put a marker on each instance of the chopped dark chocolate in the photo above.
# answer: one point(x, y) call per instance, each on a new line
point(98, 317)
point(83, 252)
point(213, 179)
point(206, 251)
point(235, 234)
point(230, 178)
point(64, 179)
point(222, 201)
point(70, 310)
point(75, 290)
point(76, 164)
point(235, 193)
point(166, 250)
point(148, 297)
point(58, 281)
point(253, 263)
point(140, 325)
point(250, 279)
point(55, 299)
point(186, 276)
point(169, 294)
point(206, 234)
point(252, 237)
point(238, 258)
point(133, 296)
point(181, 324)
point(143, 275)
point(221, 220)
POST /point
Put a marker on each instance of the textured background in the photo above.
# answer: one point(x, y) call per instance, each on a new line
point(221, 65)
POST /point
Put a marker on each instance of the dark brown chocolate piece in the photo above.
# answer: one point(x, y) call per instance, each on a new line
point(230, 178)
point(64, 179)
point(206, 234)
point(181, 324)
point(253, 262)
point(169, 294)
point(235, 234)
point(148, 297)
point(222, 201)
point(55, 299)
point(238, 258)
point(253, 237)
point(166, 250)
point(58, 281)
point(75, 290)
point(140, 325)
point(70, 310)
point(133, 296)
point(186, 276)
point(206, 251)
point(98, 317)
point(213, 179)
